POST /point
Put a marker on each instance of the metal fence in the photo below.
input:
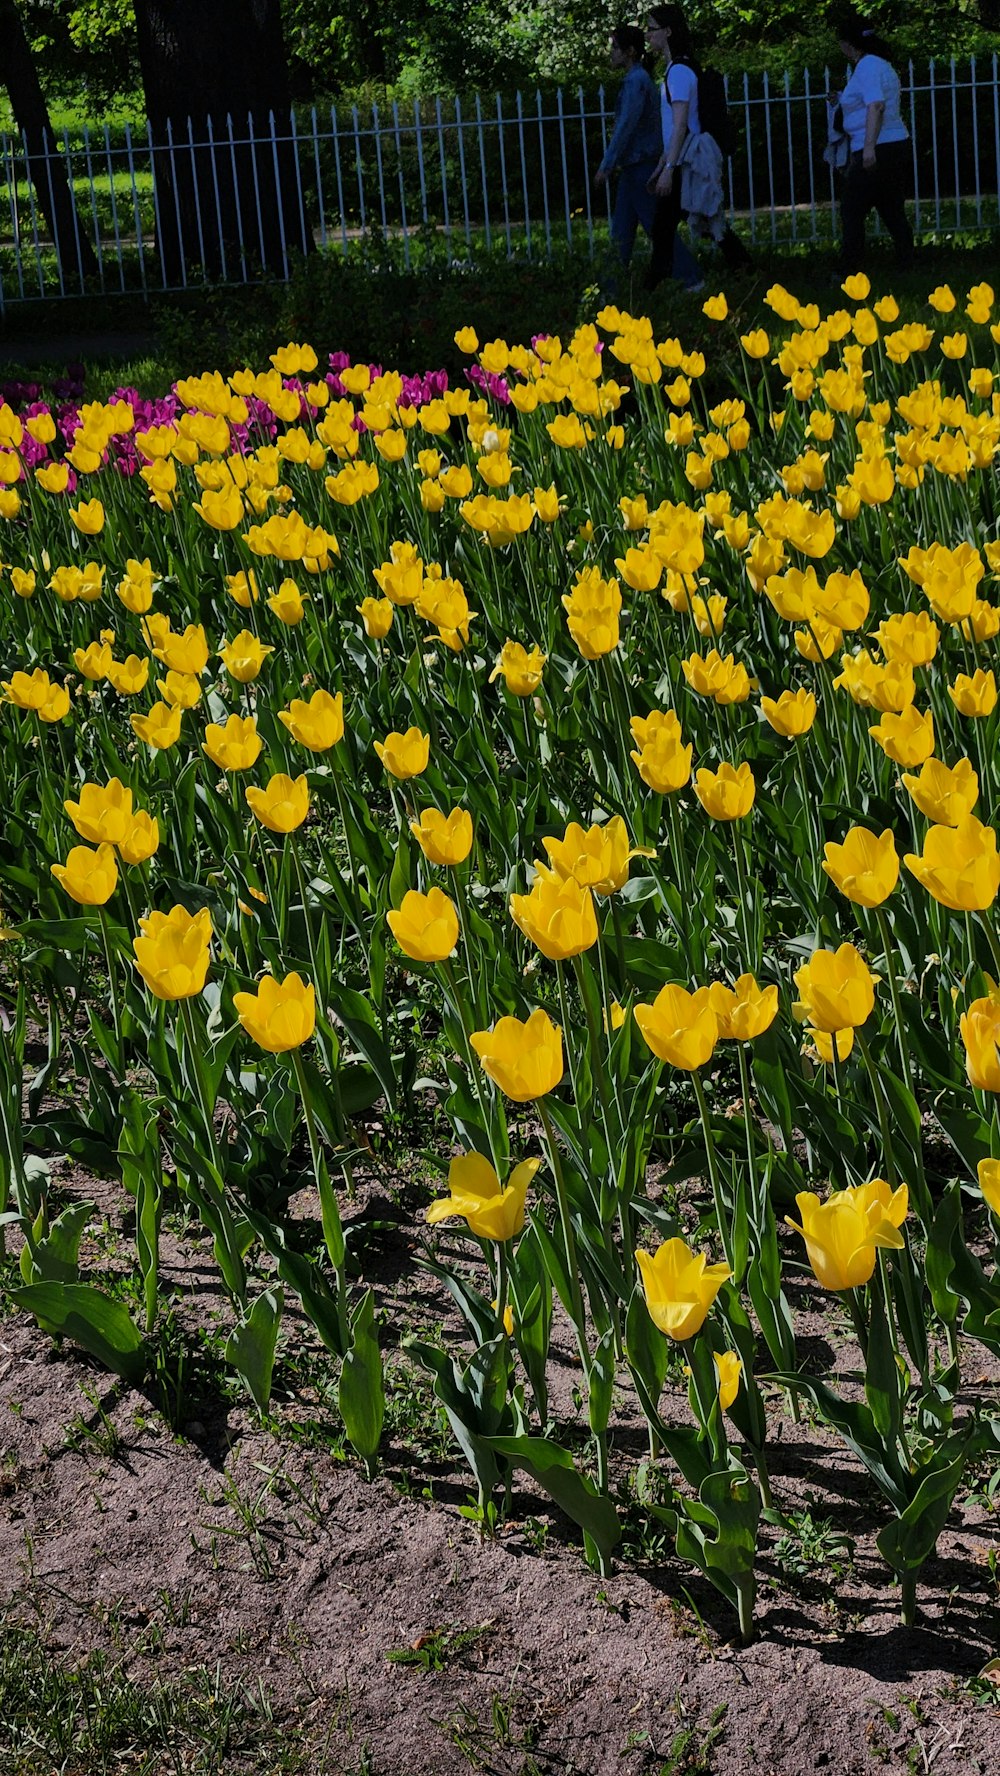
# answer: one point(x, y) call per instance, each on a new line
point(225, 202)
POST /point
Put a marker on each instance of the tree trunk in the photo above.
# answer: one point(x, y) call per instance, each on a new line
point(46, 166)
point(227, 183)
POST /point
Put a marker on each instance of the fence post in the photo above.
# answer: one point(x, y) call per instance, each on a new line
point(749, 138)
point(114, 207)
point(461, 162)
point(418, 128)
point(444, 179)
point(545, 176)
point(482, 174)
point(974, 89)
point(136, 210)
point(210, 134)
point(93, 202)
point(524, 175)
point(197, 200)
point(934, 145)
point(503, 175)
point(402, 192)
point(244, 266)
point(585, 157)
point(565, 168)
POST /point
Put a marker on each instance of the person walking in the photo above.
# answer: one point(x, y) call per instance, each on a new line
point(633, 152)
point(879, 154)
point(688, 177)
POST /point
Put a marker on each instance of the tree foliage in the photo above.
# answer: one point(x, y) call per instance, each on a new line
point(87, 48)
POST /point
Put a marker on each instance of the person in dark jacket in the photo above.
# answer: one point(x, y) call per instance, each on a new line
point(633, 152)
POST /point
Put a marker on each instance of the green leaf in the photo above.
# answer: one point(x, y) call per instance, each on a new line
point(362, 1391)
point(55, 1258)
point(91, 1319)
point(251, 1345)
point(551, 1467)
point(911, 1537)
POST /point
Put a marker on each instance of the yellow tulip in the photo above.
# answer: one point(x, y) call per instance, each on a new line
point(425, 926)
point(89, 877)
point(243, 588)
point(94, 661)
point(142, 840)
point(27, 690)
point(946, 796)
point(663, 763)
point(844, 1234)
point(593, 609)
point(444, 839)
point(187, 652)
point(823, 1042)
point(680, 1027)
point(288, 603)
point(980, 1031)
point(726, 680)
point(864, 868)
point(103, 814)
point(715, 307)
point(730, 1370)
point(645, 728)
point(160, 727)
point(911, 636)
point(88, 517)
point(596, 858)
point(182, 689)
point(475, 1194)
point(130, 676)
point(792, 714)
point(557, 916)
point(679, 1286)
point(56, 705)
point(837, 989)
point(244, 656)
point(234, 747)
point(726, 794)
point(404, 755)
point(873, 480)
point(524, 1059)
point(281, 1015)
point(988, 1171)
point(318, 724)
point(376, 614)
point(959, 865)
point(907, 738)
point(173, 952)
point(283, 805)
point(975, 695)
point(743, 1012)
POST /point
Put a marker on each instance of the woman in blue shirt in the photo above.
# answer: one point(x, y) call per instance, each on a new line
point(634, 151)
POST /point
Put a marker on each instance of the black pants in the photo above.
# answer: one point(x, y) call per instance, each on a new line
point(666, 217)
point(883, 188)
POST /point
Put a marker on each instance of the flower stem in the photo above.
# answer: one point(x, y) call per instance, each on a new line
point(721, 1212)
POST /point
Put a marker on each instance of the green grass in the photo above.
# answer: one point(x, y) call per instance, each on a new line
point(61, 1719)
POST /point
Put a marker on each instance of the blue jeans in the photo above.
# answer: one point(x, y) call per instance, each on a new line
point(634, 205)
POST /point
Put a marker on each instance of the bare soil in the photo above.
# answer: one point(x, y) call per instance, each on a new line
point(261, 1549)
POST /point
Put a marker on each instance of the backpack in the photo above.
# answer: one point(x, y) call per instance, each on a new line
point(713, 111)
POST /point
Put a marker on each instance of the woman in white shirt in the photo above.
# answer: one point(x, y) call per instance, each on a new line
point(878, 167)
point(688, 177)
